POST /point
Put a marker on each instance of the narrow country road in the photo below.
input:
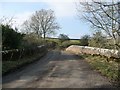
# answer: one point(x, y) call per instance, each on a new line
point(58, 69)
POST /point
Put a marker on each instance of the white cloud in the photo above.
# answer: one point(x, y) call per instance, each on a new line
point(18, 19)
point(40, 0)
point(53, 0)
point(66, 8)
point(63, 9)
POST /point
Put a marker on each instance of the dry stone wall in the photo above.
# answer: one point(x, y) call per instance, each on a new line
point(16, 54)
point(94, 51)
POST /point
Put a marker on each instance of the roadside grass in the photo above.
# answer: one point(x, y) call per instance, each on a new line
point(109, 68)
point(9, 66)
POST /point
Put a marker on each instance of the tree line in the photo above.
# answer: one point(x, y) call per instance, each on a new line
point(34, 30)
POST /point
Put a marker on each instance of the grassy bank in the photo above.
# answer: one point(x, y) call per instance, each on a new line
point(9, 66)
point(106, 67)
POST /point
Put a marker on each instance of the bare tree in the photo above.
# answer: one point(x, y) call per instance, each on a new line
point(103, 16)
point(7, 21)
point(26, 27)
point(42, 22)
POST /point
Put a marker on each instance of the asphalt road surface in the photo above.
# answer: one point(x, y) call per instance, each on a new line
point(58, 69)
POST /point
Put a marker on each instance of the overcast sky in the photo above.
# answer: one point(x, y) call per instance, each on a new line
point(65, 11)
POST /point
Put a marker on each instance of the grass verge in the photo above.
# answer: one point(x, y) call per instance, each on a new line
point(10, 66)
point(109, 68)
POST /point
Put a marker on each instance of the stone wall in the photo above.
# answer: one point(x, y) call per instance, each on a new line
point(94, 51)
point(16, 54)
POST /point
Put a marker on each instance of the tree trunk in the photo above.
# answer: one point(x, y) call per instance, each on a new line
point(44, 36)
